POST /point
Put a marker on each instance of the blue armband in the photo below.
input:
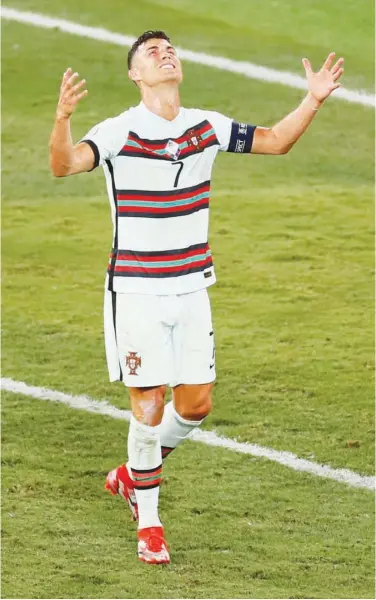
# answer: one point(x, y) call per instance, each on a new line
point(241, 137)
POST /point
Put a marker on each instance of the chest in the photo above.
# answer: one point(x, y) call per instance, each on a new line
point(177, 161)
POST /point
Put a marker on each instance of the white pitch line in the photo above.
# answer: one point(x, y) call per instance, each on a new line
point(209, 438)
point(247, 69)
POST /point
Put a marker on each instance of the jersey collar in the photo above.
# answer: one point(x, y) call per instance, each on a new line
point(157, 118)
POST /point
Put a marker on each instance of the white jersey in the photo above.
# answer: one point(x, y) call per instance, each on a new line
point(158, 181)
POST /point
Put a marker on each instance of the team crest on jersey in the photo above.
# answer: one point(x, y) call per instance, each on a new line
point(173, 149)
point(195, 141)
point(133, 362)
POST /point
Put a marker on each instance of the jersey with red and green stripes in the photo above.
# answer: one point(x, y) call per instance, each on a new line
point(158, 181)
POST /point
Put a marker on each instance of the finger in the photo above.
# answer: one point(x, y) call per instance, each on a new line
point(336, 86)
point(69, 93)
point(329, 61)
point(69, 82)
point(307, 66)
point(338, 74)
point(82, 95)
point(78, 85)
point(66, 86)
point(338, 65)
point(65, 77)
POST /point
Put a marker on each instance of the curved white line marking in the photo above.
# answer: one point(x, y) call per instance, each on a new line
point(247, 69)
point(210, 438)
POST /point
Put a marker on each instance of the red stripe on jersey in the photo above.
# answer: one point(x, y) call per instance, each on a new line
point(169, 195)
point(199, 131)
point(140, 151)
point(197, 263)
point(147, 145)
point(172, 256)
point(150, 145)
point(204, 144)
point(164, 209)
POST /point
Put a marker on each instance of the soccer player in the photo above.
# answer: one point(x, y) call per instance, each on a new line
point(157, 159)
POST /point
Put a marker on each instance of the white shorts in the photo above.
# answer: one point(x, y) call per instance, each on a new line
point(159, 340)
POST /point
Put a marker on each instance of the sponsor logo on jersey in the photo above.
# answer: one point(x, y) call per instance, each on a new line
point(173, 149)
point(133, 362)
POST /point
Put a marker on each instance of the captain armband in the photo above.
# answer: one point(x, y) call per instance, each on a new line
point(241, 137)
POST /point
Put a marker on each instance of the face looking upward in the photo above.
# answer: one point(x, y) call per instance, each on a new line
point(155, 62)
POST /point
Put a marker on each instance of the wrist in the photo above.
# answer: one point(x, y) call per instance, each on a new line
point(62, 117)
point(314, 103)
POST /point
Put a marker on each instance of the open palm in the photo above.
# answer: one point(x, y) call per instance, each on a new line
point(324, 82)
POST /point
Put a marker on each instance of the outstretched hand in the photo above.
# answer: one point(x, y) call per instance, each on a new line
point(324, 82)
point(70, 94)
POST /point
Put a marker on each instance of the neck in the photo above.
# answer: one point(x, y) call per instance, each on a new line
point(162, 100)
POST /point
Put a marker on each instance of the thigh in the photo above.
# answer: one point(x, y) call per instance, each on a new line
point(143, 340)
point(193, 341)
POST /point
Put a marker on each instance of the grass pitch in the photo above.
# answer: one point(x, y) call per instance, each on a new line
point(292, 241)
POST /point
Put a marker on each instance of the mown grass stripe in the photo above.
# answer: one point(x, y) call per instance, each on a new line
point(247, 69)
point(210, 438)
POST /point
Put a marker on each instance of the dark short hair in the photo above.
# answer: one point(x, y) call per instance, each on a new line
point(147, 35)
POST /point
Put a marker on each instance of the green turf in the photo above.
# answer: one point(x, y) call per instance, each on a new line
point(265, 533)
point(293, 311)
point(275, 34)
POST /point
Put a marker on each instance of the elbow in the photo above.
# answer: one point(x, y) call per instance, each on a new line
point(285, 149)
point(280, 145)
point(56, 173)
point(58, 166)
point(58, 170)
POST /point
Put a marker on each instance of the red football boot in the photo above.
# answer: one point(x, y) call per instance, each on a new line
point(120, 482)
point(152, 547)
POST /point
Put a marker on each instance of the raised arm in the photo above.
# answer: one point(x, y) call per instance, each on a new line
point(282, 137)
point(65, 157)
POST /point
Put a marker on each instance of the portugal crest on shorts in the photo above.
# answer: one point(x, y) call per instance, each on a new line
point(194, 140)
point(133, 362)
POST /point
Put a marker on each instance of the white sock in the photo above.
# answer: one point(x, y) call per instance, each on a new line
point(145, 462)
point(174, 429)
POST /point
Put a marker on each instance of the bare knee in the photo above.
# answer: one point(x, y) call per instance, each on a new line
point(193, 402)
point(148, 404)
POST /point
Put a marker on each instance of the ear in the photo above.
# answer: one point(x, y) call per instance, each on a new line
point(134, 75)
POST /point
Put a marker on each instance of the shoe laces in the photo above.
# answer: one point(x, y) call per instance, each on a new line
point(155, 542)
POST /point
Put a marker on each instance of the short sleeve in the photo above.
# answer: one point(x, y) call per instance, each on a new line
point(222, 128)
point(107, 138)
point(232, 136)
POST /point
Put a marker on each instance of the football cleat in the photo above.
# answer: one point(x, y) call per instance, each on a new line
point(118, 481)
point(152, 547)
